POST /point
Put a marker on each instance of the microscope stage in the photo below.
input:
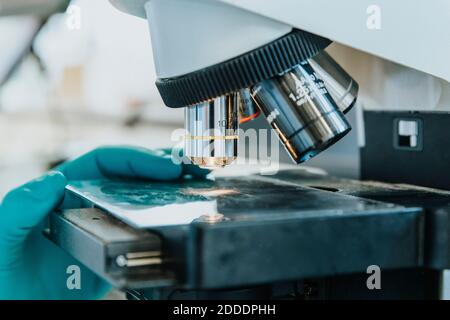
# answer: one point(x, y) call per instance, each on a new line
point(235, 231)
point(145, 205)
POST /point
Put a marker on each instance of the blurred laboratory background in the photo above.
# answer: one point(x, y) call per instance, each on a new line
point(72, 81)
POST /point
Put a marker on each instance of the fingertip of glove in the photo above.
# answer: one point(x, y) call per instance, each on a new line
point(50, 184)
point(154, 164)
point(196, 171)
point(35, 198)
point(55, 178)
point(177, 156)
point(166, 169)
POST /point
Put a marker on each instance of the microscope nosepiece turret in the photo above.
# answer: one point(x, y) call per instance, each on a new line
point(300, 89)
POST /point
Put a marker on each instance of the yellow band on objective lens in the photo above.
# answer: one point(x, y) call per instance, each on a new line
point(211, 137)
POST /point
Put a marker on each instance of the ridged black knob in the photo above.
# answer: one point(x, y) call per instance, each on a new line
point(243, 71)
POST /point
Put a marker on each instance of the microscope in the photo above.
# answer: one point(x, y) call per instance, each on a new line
point(297, 234)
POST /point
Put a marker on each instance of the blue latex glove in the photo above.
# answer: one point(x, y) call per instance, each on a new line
point(31, 267)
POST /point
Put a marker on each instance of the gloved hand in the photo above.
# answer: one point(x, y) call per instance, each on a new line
point(31, 267)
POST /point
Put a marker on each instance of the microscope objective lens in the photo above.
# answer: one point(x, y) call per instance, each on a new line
point(212, 131)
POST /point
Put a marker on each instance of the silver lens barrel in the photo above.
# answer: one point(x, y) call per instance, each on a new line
point(212, 131)
point(300, 109)
point(340, 85)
